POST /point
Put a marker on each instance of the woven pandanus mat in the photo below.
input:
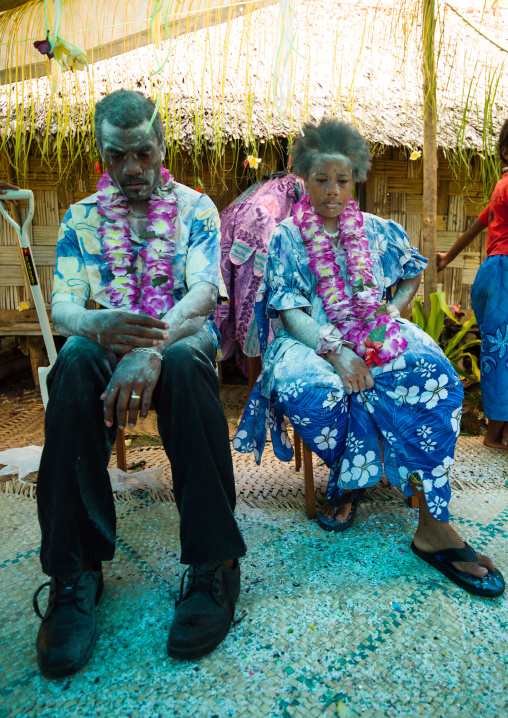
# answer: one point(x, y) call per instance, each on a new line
point(21, 420)
point(22, 424)
point(333, 625)
point(22, 417)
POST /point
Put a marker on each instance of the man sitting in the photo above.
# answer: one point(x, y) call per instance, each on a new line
point(147, 250)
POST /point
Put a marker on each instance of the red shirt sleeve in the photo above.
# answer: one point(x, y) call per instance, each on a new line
point(484, 217)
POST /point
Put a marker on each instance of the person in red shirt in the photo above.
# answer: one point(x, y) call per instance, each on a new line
point(488, 296)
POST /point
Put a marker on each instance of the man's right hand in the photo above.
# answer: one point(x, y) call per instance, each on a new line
point(353, 371)
point(441, 261)
point(120, 331)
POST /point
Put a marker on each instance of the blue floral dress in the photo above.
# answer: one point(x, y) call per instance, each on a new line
point(413, 411)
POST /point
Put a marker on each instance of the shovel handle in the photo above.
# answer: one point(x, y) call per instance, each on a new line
point(21, 194)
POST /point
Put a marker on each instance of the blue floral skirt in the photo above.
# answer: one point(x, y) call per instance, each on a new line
point(489, 297)
point(412, 413)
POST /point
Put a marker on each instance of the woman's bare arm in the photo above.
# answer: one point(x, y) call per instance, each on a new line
point(353, 371)
point(302, 326)
point(406, 289)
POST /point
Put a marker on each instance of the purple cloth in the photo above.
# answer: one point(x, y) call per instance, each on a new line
point(246, 227)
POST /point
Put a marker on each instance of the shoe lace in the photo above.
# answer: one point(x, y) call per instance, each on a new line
point(200, 579)
point(206, 580)
point(67, 593)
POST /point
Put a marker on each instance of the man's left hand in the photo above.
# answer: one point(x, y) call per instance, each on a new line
point(130, 389)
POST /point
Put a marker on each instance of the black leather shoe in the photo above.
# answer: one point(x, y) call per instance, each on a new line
point(205, 610)
point(67, 633)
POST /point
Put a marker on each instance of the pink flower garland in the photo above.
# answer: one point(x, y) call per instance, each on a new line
point(149, 293)
point(361, 318)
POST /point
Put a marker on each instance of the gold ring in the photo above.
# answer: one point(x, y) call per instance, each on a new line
point(135, 396)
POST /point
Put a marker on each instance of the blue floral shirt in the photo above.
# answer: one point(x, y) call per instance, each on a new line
point(289, 282)
point(82, 272)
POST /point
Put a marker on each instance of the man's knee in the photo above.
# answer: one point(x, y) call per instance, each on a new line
point(80, 355)
point(81, 349)
point(186, 358)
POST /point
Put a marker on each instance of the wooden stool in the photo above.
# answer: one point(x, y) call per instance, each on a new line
point(254, 371)
point(412, 501)
point(308, 474)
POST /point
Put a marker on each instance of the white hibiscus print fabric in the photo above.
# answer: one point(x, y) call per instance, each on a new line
point(333, 398)
point(360, 471)
point(326, 440)
point(456, 419)
point(403, 395)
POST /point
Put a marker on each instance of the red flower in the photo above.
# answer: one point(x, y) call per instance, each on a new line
point(97, 168)
point(371, 352)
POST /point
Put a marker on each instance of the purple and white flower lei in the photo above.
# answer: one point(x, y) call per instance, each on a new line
point(149, 293)
point(358, 317)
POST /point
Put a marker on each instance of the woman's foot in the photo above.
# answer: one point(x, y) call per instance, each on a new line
point(337, 513)
point(435, 537)
point(497, 435)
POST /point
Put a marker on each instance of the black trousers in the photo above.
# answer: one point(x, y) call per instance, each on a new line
point(75, 501)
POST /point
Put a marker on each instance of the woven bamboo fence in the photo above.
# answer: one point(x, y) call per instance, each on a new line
point(393, 191)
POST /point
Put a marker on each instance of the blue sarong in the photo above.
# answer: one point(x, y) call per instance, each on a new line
point(489, 296)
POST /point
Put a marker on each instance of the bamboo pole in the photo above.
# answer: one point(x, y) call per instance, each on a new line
point(429, 152)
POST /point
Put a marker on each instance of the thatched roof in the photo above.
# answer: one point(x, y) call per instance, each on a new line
point(359, 60)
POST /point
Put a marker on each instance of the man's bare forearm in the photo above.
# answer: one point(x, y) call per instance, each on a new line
point(68, 318)
point(187, 317)
point(190, 314)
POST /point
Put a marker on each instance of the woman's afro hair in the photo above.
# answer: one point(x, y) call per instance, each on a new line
point(503, 140)
point(330, 137)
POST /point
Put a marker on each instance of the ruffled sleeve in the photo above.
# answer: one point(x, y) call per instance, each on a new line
point(399, 260)
point(286, 286)
point(286, 283)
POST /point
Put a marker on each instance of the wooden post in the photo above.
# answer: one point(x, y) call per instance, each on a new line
point(254, 371)
point(298, 452)
point(38, 357)
point(429, 152)
point(308, 477)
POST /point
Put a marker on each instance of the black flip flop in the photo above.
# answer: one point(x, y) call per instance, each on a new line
point(338, 526)
point(489, 586)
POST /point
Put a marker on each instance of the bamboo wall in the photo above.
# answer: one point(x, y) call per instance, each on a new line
point(394, 190)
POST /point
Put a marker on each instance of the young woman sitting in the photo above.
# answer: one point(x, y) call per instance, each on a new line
point(343, 366)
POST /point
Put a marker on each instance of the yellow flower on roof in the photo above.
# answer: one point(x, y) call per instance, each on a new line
point(415, 155)
point(252, 162)
point(69, 56)
point(23, 307)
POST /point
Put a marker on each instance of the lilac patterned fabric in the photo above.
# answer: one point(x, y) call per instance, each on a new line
point(246, 227)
